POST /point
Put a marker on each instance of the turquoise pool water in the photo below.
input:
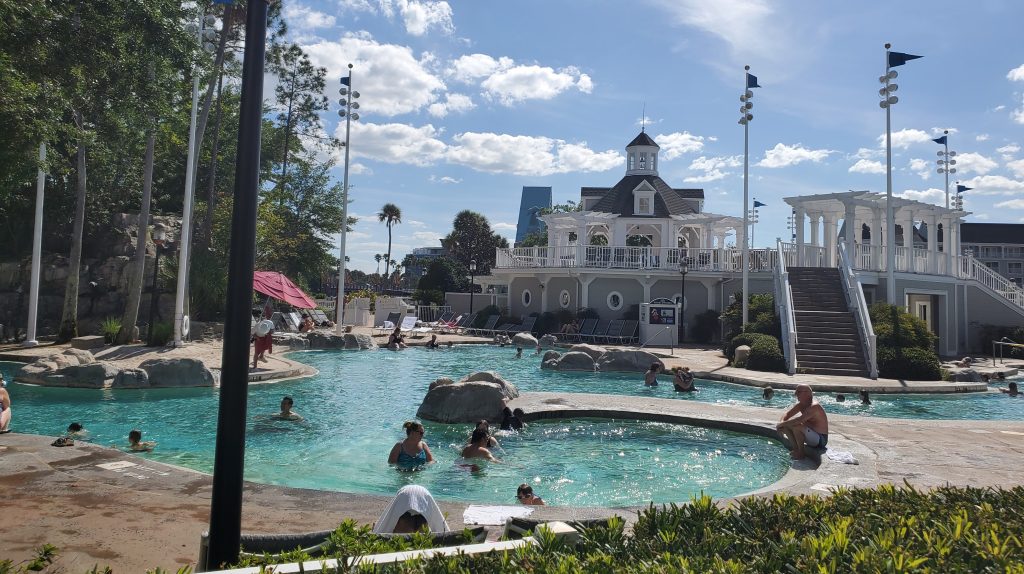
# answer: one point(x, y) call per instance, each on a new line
point(353, 413)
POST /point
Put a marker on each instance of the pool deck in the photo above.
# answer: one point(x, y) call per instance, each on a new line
point(132, 514)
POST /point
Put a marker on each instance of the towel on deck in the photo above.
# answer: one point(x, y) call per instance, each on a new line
point(493, 515)
point(842, 456)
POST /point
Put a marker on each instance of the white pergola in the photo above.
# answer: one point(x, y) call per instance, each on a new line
point(857, 208)
point(707, 230)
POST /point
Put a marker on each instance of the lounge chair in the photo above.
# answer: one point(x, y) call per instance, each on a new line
point(501, 329)
point(462, 324)
point(526, 327)
point(599, 330)
point(393, 319)
point(443, 325)
point(487, 327)
point(613, 331)
point(319, 317)
point(627, 333)
point(586, 329)
point(409, 326)
point(516, 528)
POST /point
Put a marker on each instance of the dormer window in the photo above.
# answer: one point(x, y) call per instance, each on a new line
point(643, 206)
point(643, 199)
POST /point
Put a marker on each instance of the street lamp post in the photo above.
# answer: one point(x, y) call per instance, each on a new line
point(346, 111)
point(745, 118)
point(946, 161)
point(205, 34)
point(472, 282)
point(159, 241)
point(683, 270)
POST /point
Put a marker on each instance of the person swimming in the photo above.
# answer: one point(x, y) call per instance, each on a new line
point(411, 453)
point(136, 443)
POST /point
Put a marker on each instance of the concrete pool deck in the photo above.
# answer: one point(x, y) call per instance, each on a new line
point(103, 506)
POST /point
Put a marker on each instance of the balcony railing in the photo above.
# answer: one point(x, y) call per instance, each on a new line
point(664, 258)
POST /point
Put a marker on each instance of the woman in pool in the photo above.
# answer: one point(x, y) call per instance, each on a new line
point(411, 453)
point(477, 447)
point(397, 340)
point(526, 496)
point(651, 377)
point(683, 379)
point(485, 426)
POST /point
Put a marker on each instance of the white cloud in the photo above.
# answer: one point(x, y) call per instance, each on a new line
point(942, 131)
point(783, 155)
point(396, 143)
point(305, 18)
point(980, 216)
point(930, 195)
point(867, 166)
point(355, 5)
point(904, 138)
point(355, 168)
point(444, 179)
point(1018, 114)
point(503, 226)
point(981, 138)
point(1017, 167)
point(999, 108)
point(1011, 204)
point(419, 16)
point(527, 155)
point(919, 166)
point(994, 185)
point(974, 162)
point(745, 25)
point(1008, 149)
point(454, 103)
point(414, 223)
point(676, 144)
point(472, 67)
point(390, 78)
point(868, 153)
point(533, 82)
point(431, 237)
point(1016, 74)
point(713, 168)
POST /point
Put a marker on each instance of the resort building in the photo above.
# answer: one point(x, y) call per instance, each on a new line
point(630, 243)
point(1000, 246)
point(534, 200)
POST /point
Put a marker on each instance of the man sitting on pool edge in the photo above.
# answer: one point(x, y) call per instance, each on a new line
point(805, 423)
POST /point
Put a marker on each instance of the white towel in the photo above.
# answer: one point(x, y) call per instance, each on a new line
point(842, 456)
point(388, 325)
point(494, 515)
point(416, 498)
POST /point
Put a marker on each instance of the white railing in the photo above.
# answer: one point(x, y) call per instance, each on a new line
point(603, 257)
point(855, 300)
point(325, 304)
point(784, 303)
point(431, 313)
point(970, 268)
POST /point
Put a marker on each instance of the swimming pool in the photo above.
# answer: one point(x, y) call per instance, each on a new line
point(352, 420)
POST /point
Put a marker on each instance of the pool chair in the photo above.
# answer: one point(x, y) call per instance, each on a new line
point(388, 325)
point(461, 322)
point(444, 325)
point(599, 330)
point(487, 327)
point(586, 329)
point(526, 327)
point(319, 317)
point(517, 528)
point(612, 334)
point(627, 334)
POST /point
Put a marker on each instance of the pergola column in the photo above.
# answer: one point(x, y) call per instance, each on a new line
point(933, 243)
point(830, 239)
point(878, 238)
point(850, 220)
point(815, 239)
point(800, 215)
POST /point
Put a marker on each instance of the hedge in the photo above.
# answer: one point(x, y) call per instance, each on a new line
point(766, 355)
point(909, 364)
point(747, 339)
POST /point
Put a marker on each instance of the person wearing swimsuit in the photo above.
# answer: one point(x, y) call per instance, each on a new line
point(411, 453)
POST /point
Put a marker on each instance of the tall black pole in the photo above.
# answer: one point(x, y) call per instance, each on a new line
point(229, 457)
point(682, 305)
point(472, 289)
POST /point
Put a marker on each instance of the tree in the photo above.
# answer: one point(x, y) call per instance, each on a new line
point(300, 94)
point(471, 238)
point(377, 257)
point(390, 215)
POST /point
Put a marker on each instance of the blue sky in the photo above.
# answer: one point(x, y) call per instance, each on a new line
point(464, 103)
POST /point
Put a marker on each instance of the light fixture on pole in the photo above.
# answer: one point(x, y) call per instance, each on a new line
point(472, 282)
point(745, 118)
point(958, 199)
point(37, 253)
point(754, 219)
point(684, 268)
point(205, 34)
point(346, 111)
point(946, 161)
point(791, 222)
point(888, 100)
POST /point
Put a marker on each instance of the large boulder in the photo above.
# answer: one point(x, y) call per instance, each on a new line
point(43, 370)
point(481, 395)
point(323, 340)
point(524, 340)
point(967, 376)
point(81, 355)
point(571, 361)
point(294, 341)
point(628, 361)
point(548, 341)
point(177, 372)
point(594, 351)
point(130, 379)
point(548, 355)
point(740, 356)
point(98, 375)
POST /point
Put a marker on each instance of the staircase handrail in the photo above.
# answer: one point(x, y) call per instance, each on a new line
point(855, 299)
point(971, 268)
point(784, 303)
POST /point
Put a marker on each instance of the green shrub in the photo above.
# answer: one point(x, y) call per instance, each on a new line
point(759, 304)
point(747, 339)
point(705, 326)
point(895, 328)
point(162, 333)
point(909, 364)
point(766, 355)
point(765, 322)
point(109, 328)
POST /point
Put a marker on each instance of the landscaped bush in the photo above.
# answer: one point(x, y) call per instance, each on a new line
point(705, 325)
point(909, 364)
point(109, 328)
point(766, 355)
point(759, 304)
point(747, 339)
point(162, 333)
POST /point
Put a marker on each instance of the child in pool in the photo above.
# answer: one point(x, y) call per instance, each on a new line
point(136, 443)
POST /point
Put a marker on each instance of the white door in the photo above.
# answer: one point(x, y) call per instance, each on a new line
point(923, 311)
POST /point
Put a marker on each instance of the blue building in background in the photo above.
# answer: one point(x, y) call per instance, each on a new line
point(534, 200)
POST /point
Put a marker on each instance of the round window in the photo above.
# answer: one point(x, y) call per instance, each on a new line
point(527, 297)
point(564, 299)
point(615, 300)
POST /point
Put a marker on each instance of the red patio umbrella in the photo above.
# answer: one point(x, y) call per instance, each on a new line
point(276, 285)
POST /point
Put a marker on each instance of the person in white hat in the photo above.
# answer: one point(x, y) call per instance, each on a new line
point(263, 341)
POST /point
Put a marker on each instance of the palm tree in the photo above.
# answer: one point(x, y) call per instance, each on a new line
point(377, 257)
point(389, 215)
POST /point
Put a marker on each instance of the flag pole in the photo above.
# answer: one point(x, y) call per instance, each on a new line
point(746, 206)
point(890, 224)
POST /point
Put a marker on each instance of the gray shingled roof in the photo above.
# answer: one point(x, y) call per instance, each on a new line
point(1011, 233)
point(667, 201)
point(643, 139)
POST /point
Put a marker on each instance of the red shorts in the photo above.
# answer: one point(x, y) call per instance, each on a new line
point(264, 343)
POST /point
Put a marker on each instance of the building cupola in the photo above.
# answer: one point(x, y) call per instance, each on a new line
point(642, 155)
